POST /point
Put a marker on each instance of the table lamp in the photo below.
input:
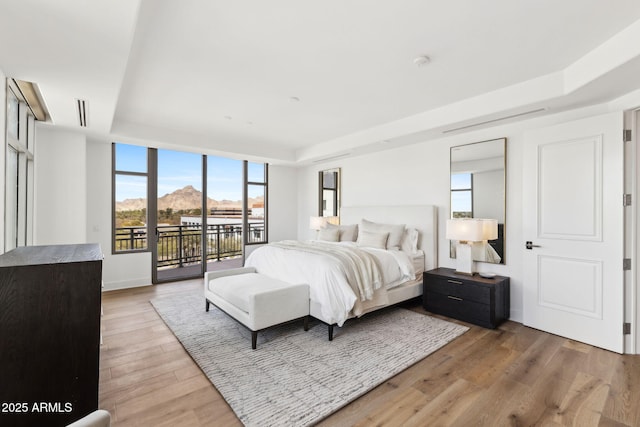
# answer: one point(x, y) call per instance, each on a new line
point(466, 231)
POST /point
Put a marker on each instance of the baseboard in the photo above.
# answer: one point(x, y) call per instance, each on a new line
point(126, 284)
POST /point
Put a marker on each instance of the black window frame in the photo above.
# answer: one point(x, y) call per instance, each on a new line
point(114, 173)
point(245, 203)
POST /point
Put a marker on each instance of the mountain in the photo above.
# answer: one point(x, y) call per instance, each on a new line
point(131, 205)
point(182, 199)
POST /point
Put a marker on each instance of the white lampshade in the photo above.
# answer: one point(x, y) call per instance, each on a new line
point(489, 229)
point(317, 222)
point(465, 229)
point(472, 229)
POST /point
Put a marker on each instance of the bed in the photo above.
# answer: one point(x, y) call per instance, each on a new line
point(334, 297)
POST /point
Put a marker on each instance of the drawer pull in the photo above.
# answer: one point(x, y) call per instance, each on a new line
point(455, 282)
point(455, 298)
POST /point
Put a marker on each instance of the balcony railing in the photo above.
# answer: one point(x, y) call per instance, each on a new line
point(180, 245)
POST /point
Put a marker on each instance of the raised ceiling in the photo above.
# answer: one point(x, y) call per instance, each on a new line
point(293, 81)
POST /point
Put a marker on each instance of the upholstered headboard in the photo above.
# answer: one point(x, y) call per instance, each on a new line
point(424, 218)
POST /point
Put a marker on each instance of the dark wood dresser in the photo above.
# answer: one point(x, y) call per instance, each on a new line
point(474, 299)
point(49, 334)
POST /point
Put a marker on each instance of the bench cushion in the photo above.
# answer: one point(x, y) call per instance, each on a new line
point(237, 289)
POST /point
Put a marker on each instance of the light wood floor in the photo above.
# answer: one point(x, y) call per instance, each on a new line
point(512, 376)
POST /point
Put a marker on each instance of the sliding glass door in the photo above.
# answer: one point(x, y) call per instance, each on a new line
point(178, 215)
point(224, 213)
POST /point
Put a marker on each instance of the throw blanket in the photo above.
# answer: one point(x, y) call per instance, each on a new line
point(363, 274)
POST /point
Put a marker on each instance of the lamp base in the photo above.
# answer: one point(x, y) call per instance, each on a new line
point(464, 260)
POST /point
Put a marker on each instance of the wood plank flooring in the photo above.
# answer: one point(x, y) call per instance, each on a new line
point(511, 376)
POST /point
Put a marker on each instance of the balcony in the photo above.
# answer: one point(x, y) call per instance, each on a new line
point(180, 247)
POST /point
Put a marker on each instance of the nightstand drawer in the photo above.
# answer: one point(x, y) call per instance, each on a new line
point(465, 310)
point(466, 290)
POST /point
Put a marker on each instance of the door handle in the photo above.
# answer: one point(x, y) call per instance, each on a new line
point(530, 245)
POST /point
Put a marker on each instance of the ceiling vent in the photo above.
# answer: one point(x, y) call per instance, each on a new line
point(325, 159)
point(82, 106)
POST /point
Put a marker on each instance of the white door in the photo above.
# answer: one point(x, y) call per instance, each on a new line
point(573, 219)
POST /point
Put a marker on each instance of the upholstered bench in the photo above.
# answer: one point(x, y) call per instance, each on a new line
point(255, 300)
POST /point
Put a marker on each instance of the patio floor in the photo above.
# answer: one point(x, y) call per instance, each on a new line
point(179, 273)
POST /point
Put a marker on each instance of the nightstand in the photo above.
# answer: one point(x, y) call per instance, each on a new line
point(474, 299)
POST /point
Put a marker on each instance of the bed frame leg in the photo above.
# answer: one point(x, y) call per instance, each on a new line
point(330, 332)
point(254, 339)
point(207, 305)
point(306, 323)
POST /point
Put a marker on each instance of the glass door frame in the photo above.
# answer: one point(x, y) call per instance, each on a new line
point(153, 233)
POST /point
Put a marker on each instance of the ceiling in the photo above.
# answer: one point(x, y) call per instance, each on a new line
point(291, 81)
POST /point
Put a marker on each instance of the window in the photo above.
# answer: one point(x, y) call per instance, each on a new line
point(11, 202)
point(329, 193)
point(255, 203)
point(13, 115)
point(462, 195)
point(235, 213)
point(20, 141)
point(130, 186)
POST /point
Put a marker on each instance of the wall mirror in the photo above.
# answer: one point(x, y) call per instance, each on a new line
point(329, 192)
point(478, 173)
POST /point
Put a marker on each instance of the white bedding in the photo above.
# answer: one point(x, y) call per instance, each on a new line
point(327, 279)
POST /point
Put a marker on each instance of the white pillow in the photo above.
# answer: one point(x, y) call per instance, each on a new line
point(329, 234)
point(373, 239)
point(395, 232)
point(348, 233)
point(409, 243)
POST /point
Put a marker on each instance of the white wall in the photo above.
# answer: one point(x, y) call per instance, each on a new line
point(283, 203)
point(419, 174)
point(60, 190)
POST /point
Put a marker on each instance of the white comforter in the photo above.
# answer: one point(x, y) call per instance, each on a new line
point(327, 279)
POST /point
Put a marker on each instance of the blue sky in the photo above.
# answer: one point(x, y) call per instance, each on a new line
point(461, 201)
point(178, 169)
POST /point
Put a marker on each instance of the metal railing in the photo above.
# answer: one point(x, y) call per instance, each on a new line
point(130, 239)
point(180, 245)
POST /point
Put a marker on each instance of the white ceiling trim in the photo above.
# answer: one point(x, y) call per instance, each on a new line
point(613, 53)
point(133, 133)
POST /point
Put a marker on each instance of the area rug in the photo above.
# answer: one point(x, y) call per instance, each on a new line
point(297, 378)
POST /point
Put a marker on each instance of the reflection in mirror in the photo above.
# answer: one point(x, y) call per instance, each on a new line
point(478, 191)
point(329, 193)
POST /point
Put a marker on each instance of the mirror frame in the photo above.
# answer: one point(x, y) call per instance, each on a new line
point(501, 233)
point(322, 188)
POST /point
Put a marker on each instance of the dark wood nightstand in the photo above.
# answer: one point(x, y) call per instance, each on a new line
point(473, 299)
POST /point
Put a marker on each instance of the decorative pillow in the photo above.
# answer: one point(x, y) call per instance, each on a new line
point(409, 243)
point(348, 233)
point(395, 231)
point(329, 234)
point(373, 239)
